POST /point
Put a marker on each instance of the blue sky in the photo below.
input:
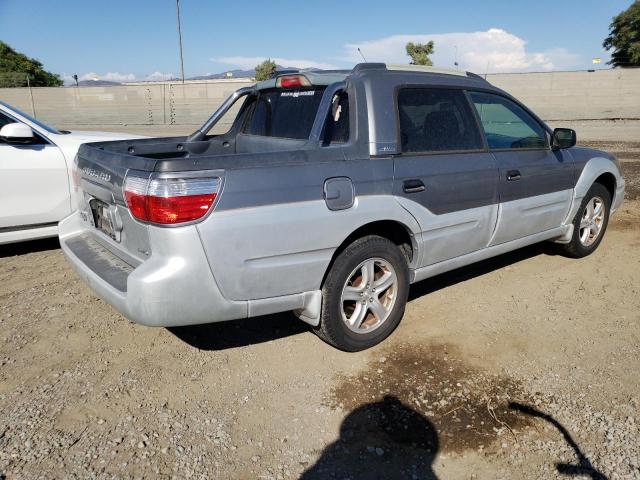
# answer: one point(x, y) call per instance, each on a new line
point(123, 39)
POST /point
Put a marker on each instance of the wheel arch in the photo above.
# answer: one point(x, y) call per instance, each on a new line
point(396, 231)
point(608, 180)
point(597, 170)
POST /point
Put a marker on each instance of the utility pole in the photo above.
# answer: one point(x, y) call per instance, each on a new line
point(33, 105)
point(180, 38)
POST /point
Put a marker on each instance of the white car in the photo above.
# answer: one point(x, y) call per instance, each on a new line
point(36, 163)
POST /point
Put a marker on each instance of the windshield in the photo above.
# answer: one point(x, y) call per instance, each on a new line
point(43, 126)
point(284, 113)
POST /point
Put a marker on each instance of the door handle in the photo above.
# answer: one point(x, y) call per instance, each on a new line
point(413, 186)
point(513, 175)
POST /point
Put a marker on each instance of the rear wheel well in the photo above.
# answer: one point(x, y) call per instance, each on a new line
point(390, 229)
point(608, 181)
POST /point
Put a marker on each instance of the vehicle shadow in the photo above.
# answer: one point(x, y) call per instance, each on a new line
point(583, 468)
point(478, 269)
point(382, 440)
point(249, 331)
point(31, 246)
point(240, 333)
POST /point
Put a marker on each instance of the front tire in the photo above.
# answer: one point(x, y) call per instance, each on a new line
point(364, 294)
point(590, 223)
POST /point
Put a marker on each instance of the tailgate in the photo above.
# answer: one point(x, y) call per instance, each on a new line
point(99, 175)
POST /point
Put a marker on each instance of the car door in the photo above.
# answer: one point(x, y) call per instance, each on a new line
point(536, 183)
point(35, 183)
point(444, 176)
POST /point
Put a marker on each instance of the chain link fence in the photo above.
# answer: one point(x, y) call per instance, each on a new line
point(166, 103)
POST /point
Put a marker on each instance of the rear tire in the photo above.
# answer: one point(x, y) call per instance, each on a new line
point(364, 294)
point(590, 223)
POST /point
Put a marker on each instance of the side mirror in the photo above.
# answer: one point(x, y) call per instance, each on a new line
point(16, 133)
point(563, 138)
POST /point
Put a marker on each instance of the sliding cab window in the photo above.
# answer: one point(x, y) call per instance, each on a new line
point(436, 120)
point(284, 113)
point(336, 126)
point(506, 124)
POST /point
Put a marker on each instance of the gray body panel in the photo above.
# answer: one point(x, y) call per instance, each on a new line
point(286, 206)
point(457, 210)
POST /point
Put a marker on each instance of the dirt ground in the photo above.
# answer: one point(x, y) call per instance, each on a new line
point(522, 366)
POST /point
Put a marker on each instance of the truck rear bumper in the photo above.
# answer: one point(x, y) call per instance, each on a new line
point(173, 287)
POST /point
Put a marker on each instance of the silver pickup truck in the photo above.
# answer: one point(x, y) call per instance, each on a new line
point(328, 195)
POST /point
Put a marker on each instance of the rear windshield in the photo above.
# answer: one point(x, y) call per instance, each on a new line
point(284, 113)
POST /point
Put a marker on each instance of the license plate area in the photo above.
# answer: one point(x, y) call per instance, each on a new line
point(104, 218)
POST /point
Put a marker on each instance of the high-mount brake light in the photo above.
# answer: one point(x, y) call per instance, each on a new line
point(292, 81)
point(169, 201)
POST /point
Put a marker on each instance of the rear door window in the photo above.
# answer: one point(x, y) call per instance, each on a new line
point(436, 120)
point(336, 127)
point(284, 113)
point(506, 124)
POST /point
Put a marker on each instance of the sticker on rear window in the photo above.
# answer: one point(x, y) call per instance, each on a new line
point(305, 93)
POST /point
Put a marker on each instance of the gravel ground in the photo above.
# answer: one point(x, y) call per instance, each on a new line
point(522, 366)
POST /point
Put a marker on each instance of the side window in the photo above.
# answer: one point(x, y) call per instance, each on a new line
point(336, 127)
point(506, 124)
point(260, 121)
point(228, 119)
point(434, 120)
point(4, 120)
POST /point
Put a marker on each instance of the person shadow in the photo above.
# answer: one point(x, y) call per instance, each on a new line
point(583, 468)
point(381, 440)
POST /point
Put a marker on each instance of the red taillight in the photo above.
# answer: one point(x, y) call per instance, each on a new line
point(292, 81)
point(168, 201)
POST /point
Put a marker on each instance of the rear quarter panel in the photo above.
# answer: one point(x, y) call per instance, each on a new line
point(272, 234)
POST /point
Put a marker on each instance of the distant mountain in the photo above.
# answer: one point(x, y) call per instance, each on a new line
point(95, 83)
point(212, 76)
point(234, 74)
point(241, 73)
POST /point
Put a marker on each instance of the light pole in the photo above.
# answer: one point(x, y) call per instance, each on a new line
point(180, 38)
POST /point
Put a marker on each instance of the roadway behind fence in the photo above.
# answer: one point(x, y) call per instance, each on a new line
point(597, 95)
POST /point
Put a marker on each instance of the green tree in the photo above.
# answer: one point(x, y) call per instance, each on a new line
point(14, 68)
point(419, 53)
point(265, 70)
point(624, 37)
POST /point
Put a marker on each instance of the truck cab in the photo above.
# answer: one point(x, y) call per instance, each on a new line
point(330, 193)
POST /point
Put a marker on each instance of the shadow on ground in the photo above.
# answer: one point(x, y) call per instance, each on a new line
point(390, 440)
point(381, 440)
point(462, 274)
point(583, 466)
point(33, 246)
point(417, 399)
point(239, 333)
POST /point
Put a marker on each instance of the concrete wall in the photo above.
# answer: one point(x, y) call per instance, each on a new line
point(597, 95)
point(569, 96)
point(150, 104)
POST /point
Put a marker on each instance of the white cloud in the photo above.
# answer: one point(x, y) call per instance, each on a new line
point(495, 48)
point(159, 76)
point(247, 63)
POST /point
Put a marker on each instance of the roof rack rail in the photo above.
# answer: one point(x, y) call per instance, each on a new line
point(476, 76)
point(426, 69)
